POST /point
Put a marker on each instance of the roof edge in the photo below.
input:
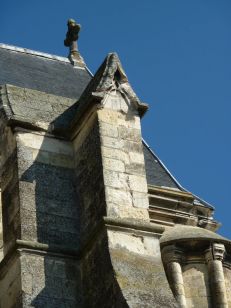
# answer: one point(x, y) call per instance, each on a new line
point(42, 55)
point(174, 179)
point(34, 52)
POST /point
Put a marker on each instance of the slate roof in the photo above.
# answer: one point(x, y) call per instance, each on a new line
point(43, 72)
point(56, 76)
point(156, 172)
point(158, 175)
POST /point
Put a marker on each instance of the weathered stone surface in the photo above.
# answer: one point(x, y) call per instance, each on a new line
point(227, 273)
point(50, 281)
point(113, 164)
point(108, 152)
point(102, 290)
point(89, 179)
point(35, 106)
point(127, 133)
point(196, 285)
point(117, 118)
point(118, 196)
point(10, 284)
point(138, 183)
point(140, 200)
point(76, 225)
point(128, 173)
point(141, 276)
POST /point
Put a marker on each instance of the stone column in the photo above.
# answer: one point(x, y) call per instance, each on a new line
point(172, 257)
point(1, 240)
point(214, 256)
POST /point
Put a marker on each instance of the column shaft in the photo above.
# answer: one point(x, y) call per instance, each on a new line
point(214, 257)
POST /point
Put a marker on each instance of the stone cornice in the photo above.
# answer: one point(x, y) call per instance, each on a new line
point(133, 224)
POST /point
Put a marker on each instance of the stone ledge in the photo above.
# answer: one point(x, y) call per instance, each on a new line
point(191, 234)
point(133, 224)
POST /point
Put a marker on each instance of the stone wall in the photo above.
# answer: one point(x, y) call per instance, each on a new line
point(89, 178)
point(50, 281)
point(7, 175)
point(123, 159)
point(196, 285)
point(10, 283)
point(1, 234)
point(48, 199)
point(137, 263)
point(40, 205)
point(227, 273)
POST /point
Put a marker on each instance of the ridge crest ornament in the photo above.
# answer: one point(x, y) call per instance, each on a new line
point(72, 36)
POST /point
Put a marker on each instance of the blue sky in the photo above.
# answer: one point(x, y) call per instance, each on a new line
point(177, 55)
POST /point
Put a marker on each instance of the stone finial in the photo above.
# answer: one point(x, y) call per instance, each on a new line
point(72, 33)
point(215, 252)
point(72, 36)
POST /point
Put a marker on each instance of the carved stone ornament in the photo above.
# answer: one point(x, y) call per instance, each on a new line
point(172, 253)
point(215, 252)
point(72, 36)
point(72, 33)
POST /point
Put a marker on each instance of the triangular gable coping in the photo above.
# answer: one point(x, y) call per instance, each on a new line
point(109, 74)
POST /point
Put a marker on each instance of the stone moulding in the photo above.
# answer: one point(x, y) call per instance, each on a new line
point(133, 224)
point(32, 109)
point(61, 249)
point(189, 234)
point(110, 76)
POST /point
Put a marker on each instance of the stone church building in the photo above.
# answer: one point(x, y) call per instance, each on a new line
point(90, 216)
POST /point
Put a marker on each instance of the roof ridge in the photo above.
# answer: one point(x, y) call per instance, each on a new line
point(34, 52)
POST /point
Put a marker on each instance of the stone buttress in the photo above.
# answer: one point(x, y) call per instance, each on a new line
point(90, 215)
point(75, 199)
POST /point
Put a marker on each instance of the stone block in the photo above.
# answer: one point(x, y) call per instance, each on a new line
point(140, 200)
point(116, 179)
point(119, 118)
point(108, 116)
point(127, 133)
point(134, 168)
point(107, 129)
point(55, 159)
point(113, 164)
point(138, 183)
point(118, 154)
point(132, 146)
point(40, 142)
point(110, 142)
point(137, 158)
point(140, 244)
point(118, 196)
point(118, 211)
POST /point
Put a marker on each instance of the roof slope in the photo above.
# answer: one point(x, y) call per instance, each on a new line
point(156, 172)
point(42, 72)
point(159, 175)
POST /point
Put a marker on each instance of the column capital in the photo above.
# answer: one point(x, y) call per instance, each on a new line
point(172, 253)
point(215, 252)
